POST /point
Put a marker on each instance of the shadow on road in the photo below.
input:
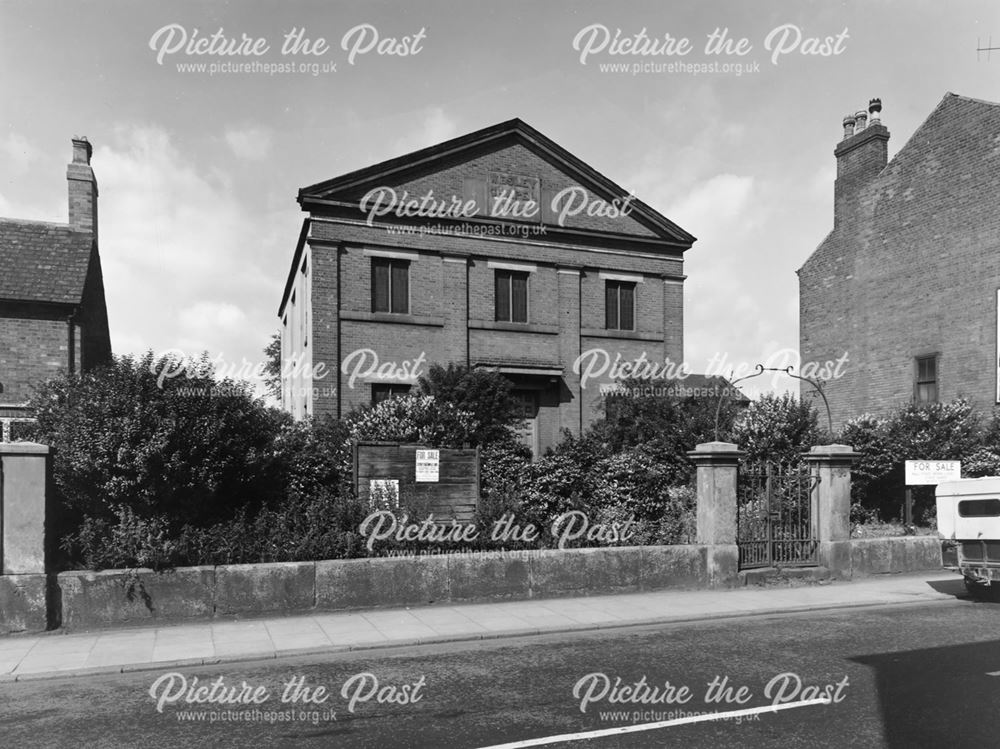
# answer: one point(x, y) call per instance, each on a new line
point(950, 587)
point(945, 696)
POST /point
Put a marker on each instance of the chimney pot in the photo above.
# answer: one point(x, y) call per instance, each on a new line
point(861, 155)
point(848, 126)
point(82, 150)
point(875, 109)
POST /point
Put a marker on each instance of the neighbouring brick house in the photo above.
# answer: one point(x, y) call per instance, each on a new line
point(53, 316)
point(498, 269)
point(908, 281)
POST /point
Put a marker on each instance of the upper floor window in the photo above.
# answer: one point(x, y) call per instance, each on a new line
point(511, 295)
point(384, 391)
point(926, 385)
point(619, 305)
point(390, 285)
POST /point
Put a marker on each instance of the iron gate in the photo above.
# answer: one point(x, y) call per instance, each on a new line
point(774, 519)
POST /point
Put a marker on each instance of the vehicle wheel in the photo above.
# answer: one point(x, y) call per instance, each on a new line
point(982, 592)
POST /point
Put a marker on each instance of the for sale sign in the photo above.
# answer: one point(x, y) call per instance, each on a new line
point(931, 472)
point(428, 464)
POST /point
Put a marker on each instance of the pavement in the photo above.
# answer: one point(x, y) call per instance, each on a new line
point(60, 654)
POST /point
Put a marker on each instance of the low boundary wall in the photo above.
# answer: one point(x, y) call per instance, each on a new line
point(32, 599)
point(83, 600)
point(86, 600)
point(894, 554)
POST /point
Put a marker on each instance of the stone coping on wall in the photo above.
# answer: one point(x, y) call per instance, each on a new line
point(894, 554)
point(117, 597)
point(113, 598)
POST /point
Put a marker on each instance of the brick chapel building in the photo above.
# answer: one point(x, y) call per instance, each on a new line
point(496, 249)
point(908, 281)
point(53, 315)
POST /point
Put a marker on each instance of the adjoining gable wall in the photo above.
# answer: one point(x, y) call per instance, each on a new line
point(912, 268)
point(34, 341)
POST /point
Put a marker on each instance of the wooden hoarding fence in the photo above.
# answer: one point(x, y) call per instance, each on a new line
point(402, 478)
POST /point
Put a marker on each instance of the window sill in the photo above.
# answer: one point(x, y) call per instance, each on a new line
point(514, 327)
point(631, 335)
point(394, 318)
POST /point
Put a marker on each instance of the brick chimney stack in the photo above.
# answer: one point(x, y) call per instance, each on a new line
point(82, 188)
point(861, 155)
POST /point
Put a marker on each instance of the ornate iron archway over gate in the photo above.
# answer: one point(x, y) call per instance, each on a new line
point(776, 515)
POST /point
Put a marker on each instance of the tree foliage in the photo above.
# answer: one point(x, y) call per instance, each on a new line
point(935, 431)
point(420, 419)
point(666, 428)
point(272, 366)
point(125, 435)
point(777, 428)
point(483, 393)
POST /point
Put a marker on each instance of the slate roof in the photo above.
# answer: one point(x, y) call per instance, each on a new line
point(43, 262)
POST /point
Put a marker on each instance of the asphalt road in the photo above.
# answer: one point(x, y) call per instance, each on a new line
point(901, 676)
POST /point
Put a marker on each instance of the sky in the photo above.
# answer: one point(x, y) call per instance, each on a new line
point(198, 168)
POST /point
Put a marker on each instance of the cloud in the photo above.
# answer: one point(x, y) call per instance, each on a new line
point(203, 316)
point(251, 144)
point(21, 160)
point(434, 127)
point(18, 153)
point(730, 293)
point(15, 208)
point(188, 261)
point(723, 198)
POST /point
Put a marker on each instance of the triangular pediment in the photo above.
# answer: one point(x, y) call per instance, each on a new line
point(505, 173)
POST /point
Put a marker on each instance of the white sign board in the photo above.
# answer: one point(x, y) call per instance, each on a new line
point(928, 472)
point(428, 463)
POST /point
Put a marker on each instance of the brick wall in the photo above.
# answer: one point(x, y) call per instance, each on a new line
point(34, 346)
point(657, 262)
point(912, 266)
point(513, 158)
point(452, 316)
point(325, 327)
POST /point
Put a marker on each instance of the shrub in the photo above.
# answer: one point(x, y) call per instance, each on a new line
point(676, 522)
point(666, 427)
point(935, 431)
point(125, 541)
point(483, 393)
point(554, 484)
point(421, 419)
point(945, 431)
point(172, 448)
point(633, 479)
point(313, 454)
point(582, 474)
point(777, 428)
point(303, 527)
point(22, 430)
point(984, 461)
point(869, 435)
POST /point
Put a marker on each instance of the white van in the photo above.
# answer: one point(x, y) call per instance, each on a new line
point(968, 517)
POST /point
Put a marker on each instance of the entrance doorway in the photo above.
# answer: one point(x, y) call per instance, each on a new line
point(527, 412)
